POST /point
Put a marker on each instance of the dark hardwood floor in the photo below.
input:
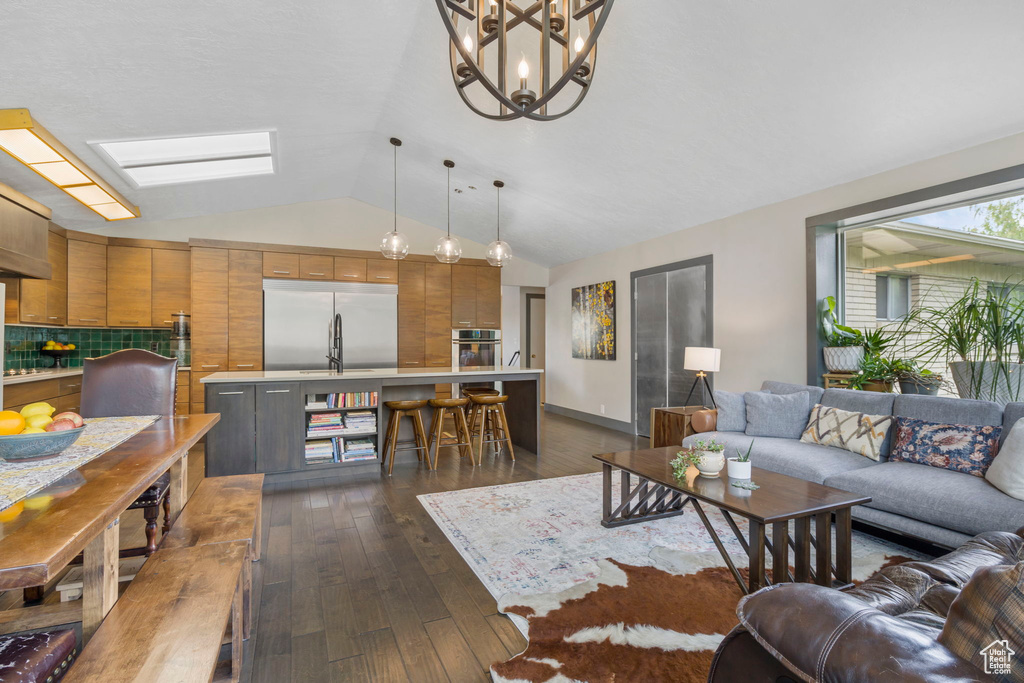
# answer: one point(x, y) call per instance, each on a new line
point(357, 583)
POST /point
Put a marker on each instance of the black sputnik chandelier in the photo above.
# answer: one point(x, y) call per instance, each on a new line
point(545, 44)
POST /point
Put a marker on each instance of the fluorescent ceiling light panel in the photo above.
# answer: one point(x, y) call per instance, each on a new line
point(168, 174)
point(168, 161)
point(171, 150)
point(23, 138)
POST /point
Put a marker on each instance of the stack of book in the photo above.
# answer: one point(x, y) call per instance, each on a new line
point(322, 424)
point(352, 399)
point(361, 421)
point(321, 450)
point(358, 449)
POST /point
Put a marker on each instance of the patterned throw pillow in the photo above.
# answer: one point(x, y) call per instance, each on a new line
point(961, 448)
point(856, 432)
point(985, 624)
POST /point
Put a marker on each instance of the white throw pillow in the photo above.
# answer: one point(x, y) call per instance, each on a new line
point(1007, 470)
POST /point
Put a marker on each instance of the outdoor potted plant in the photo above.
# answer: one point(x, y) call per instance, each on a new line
point(844, 346)
point(739, 467)
point(876, 374)
point(709, 457)
point(980, 334)
point(916, 379)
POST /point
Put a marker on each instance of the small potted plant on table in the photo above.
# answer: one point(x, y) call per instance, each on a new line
point(708, 457)
point(739, 467)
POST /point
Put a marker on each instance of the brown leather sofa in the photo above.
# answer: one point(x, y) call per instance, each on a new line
point(883, 630)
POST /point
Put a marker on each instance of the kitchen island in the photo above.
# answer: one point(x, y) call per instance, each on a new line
point(269, 418)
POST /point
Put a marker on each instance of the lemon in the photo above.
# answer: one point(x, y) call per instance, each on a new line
point(41, 408)
point(38, 503)
point(34, 430)
point(37, 421)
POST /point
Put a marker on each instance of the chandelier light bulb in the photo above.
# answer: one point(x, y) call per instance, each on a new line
point(579, 43)
point(524, 69)
point(467, 42)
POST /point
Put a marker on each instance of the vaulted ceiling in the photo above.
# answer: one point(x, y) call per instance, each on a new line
point(700, 108)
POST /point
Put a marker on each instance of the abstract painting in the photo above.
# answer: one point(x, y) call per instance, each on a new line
point(593, 321)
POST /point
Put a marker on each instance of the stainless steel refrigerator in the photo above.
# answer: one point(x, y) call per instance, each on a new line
point(301, 324)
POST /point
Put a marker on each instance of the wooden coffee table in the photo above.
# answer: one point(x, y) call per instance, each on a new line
point(657, 493)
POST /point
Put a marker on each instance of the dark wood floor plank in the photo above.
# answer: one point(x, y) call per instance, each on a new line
point(329, 566)
point(454, 652)
point(486, 645)
point(309, 658)
point(351, 670)
point(510, 636)
point(383, 660)
point(307, 614)
point(273, 635)
point(339, 622)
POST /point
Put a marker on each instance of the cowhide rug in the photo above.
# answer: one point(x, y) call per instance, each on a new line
point(630, 623)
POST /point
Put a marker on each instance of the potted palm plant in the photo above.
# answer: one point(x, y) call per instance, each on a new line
point(876, 374)
point(844, 346)
point(980, 335)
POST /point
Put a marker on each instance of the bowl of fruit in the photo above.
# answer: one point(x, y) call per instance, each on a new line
point(36, 433)
point(57, 351)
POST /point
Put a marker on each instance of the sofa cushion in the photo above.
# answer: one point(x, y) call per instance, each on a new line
point(870, 402)
point(780, 415)
point(773, 387)
point(806, 461)
point(1011, 413)
point(856, 432)
point(1006, 472)
point(985, 625)
point(957, 411)
point(732, 411)
point(952, 500)
point(962, 448)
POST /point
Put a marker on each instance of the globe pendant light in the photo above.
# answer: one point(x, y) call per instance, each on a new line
point(498, 252)
point(395, 246)
point(448, 249)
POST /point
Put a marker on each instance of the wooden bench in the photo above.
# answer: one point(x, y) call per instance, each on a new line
point(170, 623)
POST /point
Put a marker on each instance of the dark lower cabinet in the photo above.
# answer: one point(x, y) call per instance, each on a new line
point(231, 444)
point(280, 428)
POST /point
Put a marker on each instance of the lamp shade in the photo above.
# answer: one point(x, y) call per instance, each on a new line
point(702, 358)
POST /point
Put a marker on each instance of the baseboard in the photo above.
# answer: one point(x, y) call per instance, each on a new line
point(599, 420)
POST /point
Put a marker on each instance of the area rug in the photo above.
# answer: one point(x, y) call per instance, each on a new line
point(644, 602)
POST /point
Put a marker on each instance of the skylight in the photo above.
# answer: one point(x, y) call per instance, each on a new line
point(169, 161)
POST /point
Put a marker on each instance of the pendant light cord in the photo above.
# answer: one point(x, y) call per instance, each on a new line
point(499, 214)
point(449, 200)
point(396, 188)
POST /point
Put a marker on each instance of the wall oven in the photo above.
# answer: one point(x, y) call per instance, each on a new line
point(476, 348)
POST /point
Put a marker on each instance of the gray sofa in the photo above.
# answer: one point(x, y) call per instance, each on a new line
point(937, 505)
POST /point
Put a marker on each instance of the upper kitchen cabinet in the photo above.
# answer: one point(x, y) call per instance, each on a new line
point(411, 318)
point(382, 271)
point(24, 224)
point(245, 310)
point(129, 286)
point(280, 264)
point(87, 283)
point(316, 267)
point(349, 269)
point(488, 297)
point(171, 284)
point(463, 296)
point(437, 314)
point(209, 311)
point(57, 285)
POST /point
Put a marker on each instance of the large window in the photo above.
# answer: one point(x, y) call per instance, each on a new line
point(892, 297)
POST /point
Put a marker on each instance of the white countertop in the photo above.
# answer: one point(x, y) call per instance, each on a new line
point(442, 373)
point(47, 373)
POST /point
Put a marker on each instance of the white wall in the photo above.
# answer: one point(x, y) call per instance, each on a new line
point(511, 322)
point(759, 283)
point(340, 223)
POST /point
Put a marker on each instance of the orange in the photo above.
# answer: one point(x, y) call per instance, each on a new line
point(11, 422)
point(10, 513)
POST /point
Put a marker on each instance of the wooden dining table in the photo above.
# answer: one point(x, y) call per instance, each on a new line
point(40, 541)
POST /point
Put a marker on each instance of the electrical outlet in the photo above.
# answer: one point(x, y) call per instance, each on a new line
point(602, 409)
point(153, 346)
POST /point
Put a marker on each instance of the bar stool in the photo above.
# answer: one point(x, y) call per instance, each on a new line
point(457, 408)
point(470, 392)
point(490, 411)
point(400, 409)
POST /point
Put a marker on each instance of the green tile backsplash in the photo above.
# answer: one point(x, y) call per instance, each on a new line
point(22, 344)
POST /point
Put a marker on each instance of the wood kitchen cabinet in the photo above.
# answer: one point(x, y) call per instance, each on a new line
point(231, 447)
point(129, 286)
point(437, 314)
point(488, 297)
point(245, 310)
point(172, 287)
point(381, 271)
point(348, 269)
point(57, 285)
point(209, 272)
point(280, 427)
point(316, 267)
point(463, 296)
point(87, 283)
point(280, 264)
point(411, 317)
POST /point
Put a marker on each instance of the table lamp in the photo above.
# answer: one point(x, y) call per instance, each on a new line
point(703, 360)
